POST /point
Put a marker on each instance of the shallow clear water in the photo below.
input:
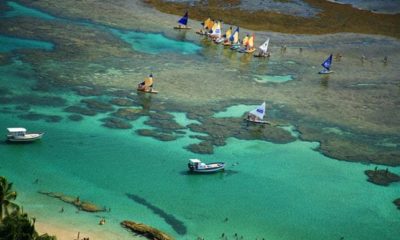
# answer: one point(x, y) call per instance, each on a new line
point(19, 10)
point(272, 191)
point(8, 44)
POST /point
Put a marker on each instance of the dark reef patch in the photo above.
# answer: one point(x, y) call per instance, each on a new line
point(381, 177)
point(111, 122)
point(123, 102)
point(49, 101)
point(88, 91)
point(98, 105)
point(176, 224)
point(80, 110)
point(155, 134)
point(397, 203)
point(75, 117)
point(128, 113)
point(32, 116)
point(201, 148)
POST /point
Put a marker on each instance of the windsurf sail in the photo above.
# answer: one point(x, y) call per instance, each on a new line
point(184, 19)
point(327, 63)
point(259, 112)
point(264, 46)
point(209, 24)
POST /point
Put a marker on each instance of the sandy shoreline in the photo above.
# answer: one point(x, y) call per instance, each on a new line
point(66, 232)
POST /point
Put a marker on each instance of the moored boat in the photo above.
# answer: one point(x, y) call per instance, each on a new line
point(21, 135)
point(195, 165)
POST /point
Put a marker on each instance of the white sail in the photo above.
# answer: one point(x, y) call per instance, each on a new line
point(259, 112)
point(264, 46)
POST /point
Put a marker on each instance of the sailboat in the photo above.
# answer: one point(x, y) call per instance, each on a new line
point(326, 64)
point(233, 39)
point(205, 24)
point(183, 22)
point(227, 34)
point(245, 41)
point(257, 115)
point(263, 50)
point(216, 31)
point(250, 45)
point(147, 85)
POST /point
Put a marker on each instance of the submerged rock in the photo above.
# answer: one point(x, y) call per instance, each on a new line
point(88, 91)
point(146, 230)
point(160, 136)
point(38, 116)
point(202, 148)
point(81, 205)
point(116, 123)
point(397, 203)
point(75, 117)
point(97, 105)
point(128, 113)
point(122, 102)
point(80, 110)
point(382, 177)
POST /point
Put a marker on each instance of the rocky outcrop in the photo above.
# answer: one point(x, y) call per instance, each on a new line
point(145, 230)
point(397, 203)
point(81, 205)
point(382, 177)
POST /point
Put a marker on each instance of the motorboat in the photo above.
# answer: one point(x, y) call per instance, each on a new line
point(195, 165)
point(21, 135)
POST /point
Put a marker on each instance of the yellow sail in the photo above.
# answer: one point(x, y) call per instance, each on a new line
point(210, 24)
point(207, 22)
point(245, 41)
point(148, 82)
point(228, 33)
point(250, 43)
point(214, 27)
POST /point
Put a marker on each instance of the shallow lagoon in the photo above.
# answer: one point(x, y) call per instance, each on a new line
point(276, 191)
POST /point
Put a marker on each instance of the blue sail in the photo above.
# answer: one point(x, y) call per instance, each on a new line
point(184, 19)
point(327, 63)
point(233, 34)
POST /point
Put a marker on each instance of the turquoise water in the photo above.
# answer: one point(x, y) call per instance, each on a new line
point(274, 79)
point(150, 43)
point(155, 43)
point(20, 10)
point(271, 191)
point(235, 111)
point(8, 44)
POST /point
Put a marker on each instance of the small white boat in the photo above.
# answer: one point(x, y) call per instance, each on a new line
point(257, 115)
point(21, 135)
point(195, 165)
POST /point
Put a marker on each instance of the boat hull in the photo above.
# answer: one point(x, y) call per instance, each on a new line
point(30, 137)
point(325, 71)
point(182, 28)
point(257, 121)
point(220, 166)
point(148, 91)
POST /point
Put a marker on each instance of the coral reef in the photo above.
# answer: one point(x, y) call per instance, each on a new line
point(81, 205)
point(381, 177)
point(145, 230)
